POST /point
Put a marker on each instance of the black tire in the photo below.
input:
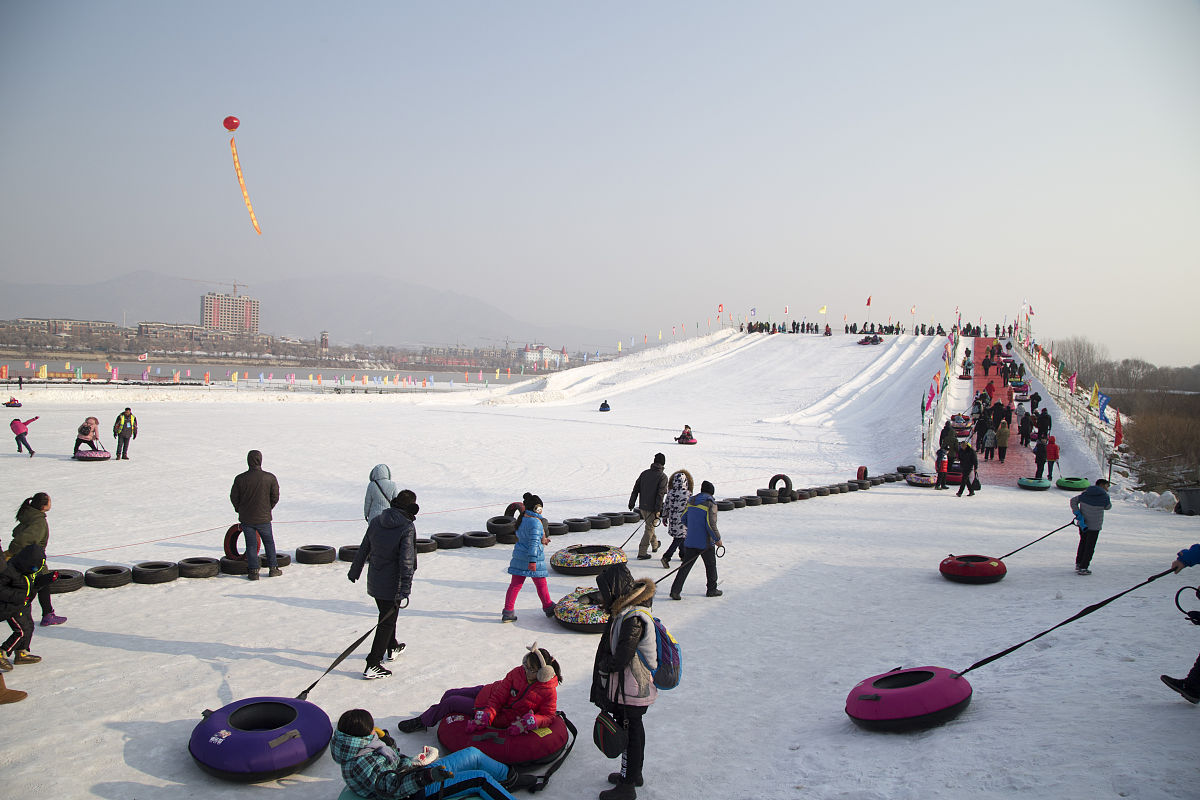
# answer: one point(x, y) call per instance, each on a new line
point(448, 541)
point(803, 494)
point(787, 482)
point(199, 567)
point(69, 580)
point(155, 572)
point(725, 505)
point(347, 552)
point(514, 509)
point(753, 500)
point(632, 516)
point(784, 496)
point(600, 523)
point(877, 480)
point(506, 538)
point(892, 477)
point(769, 501)
point(233, 566)
point(578, 524)
point(315, 554)
point(764, 493)
point(501, 525)
point(843, 487)
point(615, 518)
point(906, 470)
point(281, 559)
point(426, 545)
point(556, 529)
point(479, 539)
point(108, 576)
point(853, 486)
point(822, 491)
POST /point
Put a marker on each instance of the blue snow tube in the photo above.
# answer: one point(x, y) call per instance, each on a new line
point(260, 738)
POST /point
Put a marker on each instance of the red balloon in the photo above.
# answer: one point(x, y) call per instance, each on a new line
point(231, 124)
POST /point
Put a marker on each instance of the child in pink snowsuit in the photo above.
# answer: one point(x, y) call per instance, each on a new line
point(529, 559)
point(19, 430)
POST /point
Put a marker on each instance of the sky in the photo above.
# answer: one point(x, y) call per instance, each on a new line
point(635, 165)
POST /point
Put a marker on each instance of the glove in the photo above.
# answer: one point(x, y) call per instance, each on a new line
point(532, 566)
point(351, 576)
point(434, 774)
point(522, 724)
point(631, 506)
point(1079, 520)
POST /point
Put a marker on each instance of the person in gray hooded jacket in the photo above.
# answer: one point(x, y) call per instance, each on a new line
point(1088, 508)
point(381, 490)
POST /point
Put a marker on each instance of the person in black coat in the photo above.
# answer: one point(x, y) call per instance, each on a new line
point(20, 579)
point(389, 547)
point(254, 493)
point(968, 462)
point(1034, 399)
point(1043, 424)
point(997, 413)
point(1039, 456)
point(1026, 429)
point(948, 440)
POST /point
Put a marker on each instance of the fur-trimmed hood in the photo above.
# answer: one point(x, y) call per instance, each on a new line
point(642, 594)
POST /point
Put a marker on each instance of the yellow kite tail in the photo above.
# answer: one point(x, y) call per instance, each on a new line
point(237, 167)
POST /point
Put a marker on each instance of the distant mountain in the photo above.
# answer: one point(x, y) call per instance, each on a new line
point(355, 309)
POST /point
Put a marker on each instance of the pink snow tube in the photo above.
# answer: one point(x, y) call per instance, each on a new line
point(908, 699)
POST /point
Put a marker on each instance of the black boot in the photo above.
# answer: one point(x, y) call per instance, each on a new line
point(622, 791)
point(518, 780)
point(410, 725)
point(615, 778)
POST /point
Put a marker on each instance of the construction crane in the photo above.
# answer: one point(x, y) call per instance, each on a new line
point(234, 284)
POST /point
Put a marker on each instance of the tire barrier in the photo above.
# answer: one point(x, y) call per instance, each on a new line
point(347, 552)
point(260, 739)
point(281, 559)
point(499, 525)
point(861, 474)
point(199, 567)
point(586, 559)
point(233, 538)
point(738, 502)
point(906, 469)
point(892, 477)
point(426, 545)
point(843, 487)
point(448, 541)
point(556, 529)
point(771, 492)
point(725, 505)
point(578, 524)
point(822, 491)
point(506, 538)
point(578, 611)
point(853, 486)
point(479, 539)
point(908, 699)
point(615, 518)
point(876, 480)
point(632, 516)
point(752, 500)
point(234, 566)
point(972, 569)
point(1074, 484)
point(599, 522)
point(315, 554)
point(108, 576)
point(787, 482)
point(769, 500)
point(69, 580)
point(784, 496)
point(155, 572)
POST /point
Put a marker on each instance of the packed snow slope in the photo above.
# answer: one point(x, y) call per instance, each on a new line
point(818, 594)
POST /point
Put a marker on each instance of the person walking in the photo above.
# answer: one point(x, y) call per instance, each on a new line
point(1034, 399)
point(1025, 427)
point(254, 493)
point(389, 549)
point(1187, 687)
point(674, 504)
point(1043, 423)
point(989, 444)
point(1002, 434)
point(941, 463)
point(22, 577)
point(968, 461)
point(622, 681)
point(33, 528)
point(1089, 507)
point(648, 492)
point(1039, 457)
point(529, 559)
point(20, 429)
point(380, 491)
point(700, 541)
point(124, 429)
point(1051, 457)
point(948, 439)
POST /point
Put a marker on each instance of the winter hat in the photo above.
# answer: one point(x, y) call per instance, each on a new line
point(707, 488)
point(659, 458)
point(534, 660)
point(532, 501)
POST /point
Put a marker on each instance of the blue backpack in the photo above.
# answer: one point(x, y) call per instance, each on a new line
point(670, 658)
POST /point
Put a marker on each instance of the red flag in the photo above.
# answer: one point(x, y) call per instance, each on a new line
point(1120, 435)
point(868, 300)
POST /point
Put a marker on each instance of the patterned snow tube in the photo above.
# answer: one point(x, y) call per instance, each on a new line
point(448, 541)
point(586, 559)
point(538, 746)
point(479, 539)
point(920, 479)
point(315, 554)
point(787, 482)
point(260, 738)
point(1074, 484)
point(972, 569)
point(426, 545)
point(600, 522)
point(753, 500)
point(92, 455)
point(578, 524)
point(155, 572)
point(69, 580)
point(109, 576)
point(614, 518)
point(233, 538)
point(908, 699)
point(199, 567)
point(1033, 484)
point(576, 612)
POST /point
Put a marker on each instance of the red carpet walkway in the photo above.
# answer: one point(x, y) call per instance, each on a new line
point(1018, 461)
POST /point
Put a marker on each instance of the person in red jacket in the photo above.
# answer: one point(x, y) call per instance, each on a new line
point(1051, 457)
point(524, 700)
point(19, 430)
point(991, 390)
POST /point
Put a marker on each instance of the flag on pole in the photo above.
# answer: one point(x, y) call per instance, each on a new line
point(1071, 382)
point(868, 300)
point(143, 356)
point(913, 310)
point(1094, 401)
point(1103, 405)
point(1119, 435)
point(785, 309)
point(1031, 311)
point(822, 309)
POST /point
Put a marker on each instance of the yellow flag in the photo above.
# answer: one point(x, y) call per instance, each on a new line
point(1094, 402)
point(618, 347)
point(822, 309)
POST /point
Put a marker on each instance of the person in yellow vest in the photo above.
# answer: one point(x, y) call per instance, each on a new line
point(124, 429)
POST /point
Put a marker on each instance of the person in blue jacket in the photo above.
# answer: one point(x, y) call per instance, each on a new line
point(701, 541)
point(1189, 687)
point(529, 559)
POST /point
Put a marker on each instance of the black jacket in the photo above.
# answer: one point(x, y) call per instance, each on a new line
point(650, 487)
point(967, 459)
point(618, 591)
point(255, 492)
point(18, 583)
point(390, 548)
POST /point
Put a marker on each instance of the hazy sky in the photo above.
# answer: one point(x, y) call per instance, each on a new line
point(635, 164)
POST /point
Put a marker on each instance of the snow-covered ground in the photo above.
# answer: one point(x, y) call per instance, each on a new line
point(819, 594)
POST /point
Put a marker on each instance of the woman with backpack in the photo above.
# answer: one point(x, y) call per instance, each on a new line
point(89, 434)
point(622, 679)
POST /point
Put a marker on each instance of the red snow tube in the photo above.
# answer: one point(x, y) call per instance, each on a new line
point(535, 747)
point(973, 569)
point(92, 455)
point(232, 537)
point(908, 699)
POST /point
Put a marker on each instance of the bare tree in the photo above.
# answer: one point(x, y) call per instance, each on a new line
point(1080, 354)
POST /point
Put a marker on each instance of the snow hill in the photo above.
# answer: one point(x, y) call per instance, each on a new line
point(819, 594)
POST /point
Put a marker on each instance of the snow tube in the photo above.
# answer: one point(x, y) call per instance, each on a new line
point(687, 441)
point(921, 479)
point(1033, 484)
point(13, 404)
point(577, 612)
point(972, 569)
point(233, 537)
point(1075, 484)
point(260, 738)
point(538, 746)
point(92, 455)
point(908, 699)
point(586, 559)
